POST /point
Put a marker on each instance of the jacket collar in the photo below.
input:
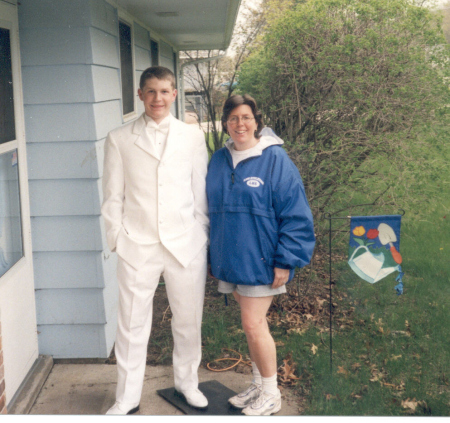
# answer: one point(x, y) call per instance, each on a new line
point(175, 130)
point(268, 138)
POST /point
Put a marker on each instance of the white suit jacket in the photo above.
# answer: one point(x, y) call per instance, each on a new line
point(147, 200)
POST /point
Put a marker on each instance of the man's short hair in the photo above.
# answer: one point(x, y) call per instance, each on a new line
point(159, 72)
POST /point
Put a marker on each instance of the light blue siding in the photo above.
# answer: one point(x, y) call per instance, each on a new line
point(105, 83)
point(141, 37)
point(57, 84)
point(71, 122)
point(104, 48)
point(81, 269)
point(69, 46)
point(106, 115)
point(165, 50)
point(69, 306)
point(103, 16)
point(166, 59)
point(142, 57)
point(64, 46)
point(48, 14)
point(69, 84)
point(62, 160)
point(67, 233)
point(60, 122)
point(142, 60)
point(73, 341)
point(64, 197)
point(72, 99)
point(168, 63)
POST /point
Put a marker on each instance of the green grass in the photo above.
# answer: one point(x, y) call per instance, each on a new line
point(391, 354)
point(221, 326)
point(209, 139)
point(397, 348)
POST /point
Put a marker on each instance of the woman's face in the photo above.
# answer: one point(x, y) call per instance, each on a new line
point(241, 125)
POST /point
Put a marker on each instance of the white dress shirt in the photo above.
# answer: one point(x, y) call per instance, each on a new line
point(157, 133)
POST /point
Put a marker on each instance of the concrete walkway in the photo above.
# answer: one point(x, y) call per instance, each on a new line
point(74, 389)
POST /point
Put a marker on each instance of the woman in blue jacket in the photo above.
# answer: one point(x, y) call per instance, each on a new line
point(261, 230)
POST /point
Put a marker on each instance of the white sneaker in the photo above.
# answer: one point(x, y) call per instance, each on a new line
point(265, 405)
point(194, 398)
point(122, 410)
point(245, 398)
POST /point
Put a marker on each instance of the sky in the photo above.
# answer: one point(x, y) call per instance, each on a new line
point(441, 2)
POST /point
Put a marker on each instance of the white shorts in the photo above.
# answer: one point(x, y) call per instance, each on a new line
point(250, 290)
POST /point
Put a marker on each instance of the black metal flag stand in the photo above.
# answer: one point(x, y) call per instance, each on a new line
point(330, 218)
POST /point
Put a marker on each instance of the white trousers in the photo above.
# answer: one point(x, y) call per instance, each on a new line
point(185, 287)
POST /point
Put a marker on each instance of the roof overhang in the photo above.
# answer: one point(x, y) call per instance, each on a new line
point(188, 24)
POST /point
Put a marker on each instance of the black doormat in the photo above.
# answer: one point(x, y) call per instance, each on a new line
point(216, 393)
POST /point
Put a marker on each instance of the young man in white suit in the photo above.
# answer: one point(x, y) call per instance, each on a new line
point(156, 219)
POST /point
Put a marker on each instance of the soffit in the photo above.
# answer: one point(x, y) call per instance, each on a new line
point(188, 24)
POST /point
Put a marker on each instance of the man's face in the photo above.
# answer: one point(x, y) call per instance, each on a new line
point(157, 96)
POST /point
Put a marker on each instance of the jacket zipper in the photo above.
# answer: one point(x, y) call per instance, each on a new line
point(230, 162)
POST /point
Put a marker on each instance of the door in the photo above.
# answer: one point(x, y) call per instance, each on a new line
point(17, 302)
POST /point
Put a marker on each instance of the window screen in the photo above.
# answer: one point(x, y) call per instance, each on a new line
point(126, 68)
point(7, 123)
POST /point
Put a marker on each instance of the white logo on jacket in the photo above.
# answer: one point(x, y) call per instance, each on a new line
point(254, 182)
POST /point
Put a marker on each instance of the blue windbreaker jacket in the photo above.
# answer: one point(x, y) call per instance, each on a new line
point(259, 216)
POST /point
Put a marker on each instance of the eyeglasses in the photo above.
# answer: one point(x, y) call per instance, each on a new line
point(235, 120)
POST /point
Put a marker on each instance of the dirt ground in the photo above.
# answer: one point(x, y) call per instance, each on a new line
point(305, 303)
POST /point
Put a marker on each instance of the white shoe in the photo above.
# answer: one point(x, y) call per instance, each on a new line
point(245, 398)
point(122, 410)
point(265, 405)
point(194, 398)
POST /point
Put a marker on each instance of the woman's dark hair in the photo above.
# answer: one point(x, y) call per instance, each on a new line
point(236, 101)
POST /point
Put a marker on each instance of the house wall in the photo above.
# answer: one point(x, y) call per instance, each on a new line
point(142, 55)
point(72, 99)
point(166, 56)
point(166, 59)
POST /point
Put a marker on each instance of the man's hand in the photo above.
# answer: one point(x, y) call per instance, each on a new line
point(281, 276)
point(209, 272)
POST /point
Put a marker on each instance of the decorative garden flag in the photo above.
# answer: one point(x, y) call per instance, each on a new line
point(374, 248)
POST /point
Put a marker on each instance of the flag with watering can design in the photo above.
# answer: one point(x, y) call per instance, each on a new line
point(374, 248)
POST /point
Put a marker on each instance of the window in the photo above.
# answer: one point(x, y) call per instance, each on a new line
point(154, 52)
point(11, 243)
point(126, 68)
point(11, 248)
point(7, 125)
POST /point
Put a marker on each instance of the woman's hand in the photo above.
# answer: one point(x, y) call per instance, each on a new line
point(281, 276)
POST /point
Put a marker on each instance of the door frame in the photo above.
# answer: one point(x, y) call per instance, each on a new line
point(17, 295)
